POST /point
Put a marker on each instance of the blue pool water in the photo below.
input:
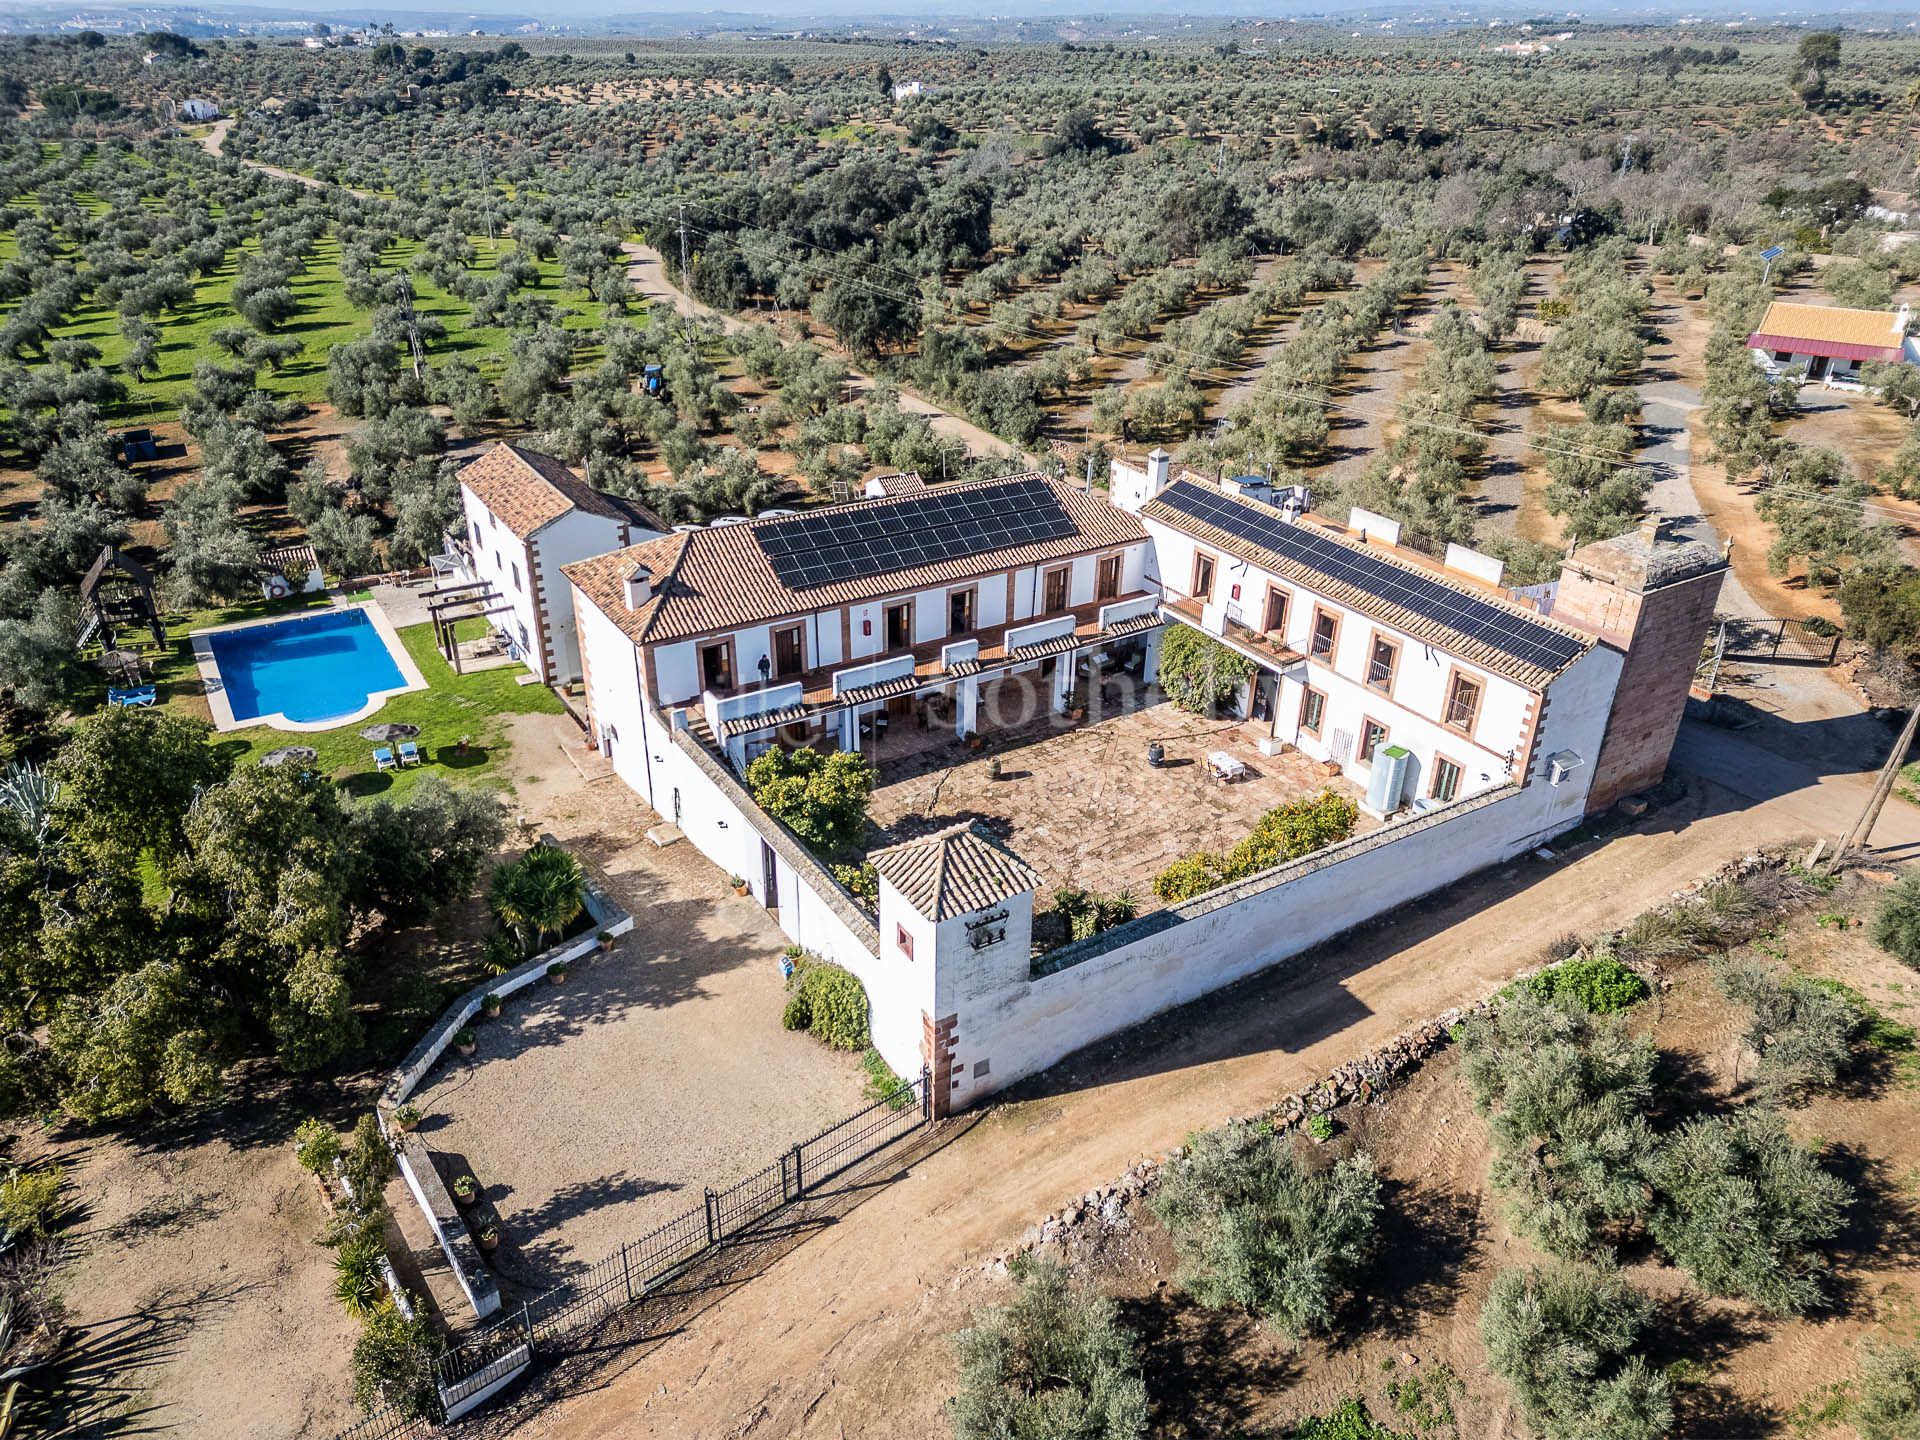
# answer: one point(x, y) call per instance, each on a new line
point(309, 668)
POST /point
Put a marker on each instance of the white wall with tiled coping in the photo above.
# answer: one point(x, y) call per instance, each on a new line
point(215, 684)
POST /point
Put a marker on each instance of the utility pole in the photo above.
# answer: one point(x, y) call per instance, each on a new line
point(686, 279)
point(1862, 830)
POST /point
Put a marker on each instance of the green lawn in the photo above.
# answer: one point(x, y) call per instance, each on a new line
point(452, 706)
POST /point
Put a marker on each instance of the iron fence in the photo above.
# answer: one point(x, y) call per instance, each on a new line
point(553, 1320)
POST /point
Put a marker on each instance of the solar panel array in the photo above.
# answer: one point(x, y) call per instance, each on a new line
point(1525, 639)
point(830, 546)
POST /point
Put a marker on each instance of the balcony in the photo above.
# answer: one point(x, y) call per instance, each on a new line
point(1267, 650)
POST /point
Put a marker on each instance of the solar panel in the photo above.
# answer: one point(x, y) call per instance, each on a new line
point(830, 546)
point(1519, 636)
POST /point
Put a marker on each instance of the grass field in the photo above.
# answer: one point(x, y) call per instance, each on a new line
point(325, 318)
point(452, 706)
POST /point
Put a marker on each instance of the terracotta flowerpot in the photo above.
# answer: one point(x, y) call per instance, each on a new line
point(466, 1049)
point(606, 944)
point(492, 1012)
point(469, 1200)
point(558, 977)
point(743, 890)
point(488, 1243)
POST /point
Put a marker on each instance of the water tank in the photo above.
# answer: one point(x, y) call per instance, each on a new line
point(1389, 779)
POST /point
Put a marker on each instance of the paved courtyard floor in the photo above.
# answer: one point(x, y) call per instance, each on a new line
point(1081, 805)
point(594, 1111)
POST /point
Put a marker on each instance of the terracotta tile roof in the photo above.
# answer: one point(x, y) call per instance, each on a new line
point(718, 579)
point(1430, 628)
point(953, 872)
point(1828, 330)
point(527, 490)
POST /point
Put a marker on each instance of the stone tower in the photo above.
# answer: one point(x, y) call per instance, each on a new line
point(1653, 600)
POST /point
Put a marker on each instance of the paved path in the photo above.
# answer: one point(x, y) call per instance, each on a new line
point(648, 273)
point(1669, 409)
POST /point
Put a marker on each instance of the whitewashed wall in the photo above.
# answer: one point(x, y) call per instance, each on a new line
point(574, 536)
point(1019, 1026)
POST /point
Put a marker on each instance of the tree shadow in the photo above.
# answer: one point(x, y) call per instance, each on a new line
point(1430, 1242)
point(1696, 1331)
point(1882, 1227)
point(1208, 1372)
point(363, 783)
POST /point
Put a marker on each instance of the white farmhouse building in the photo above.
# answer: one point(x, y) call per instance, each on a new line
point(823, 627)
point(1823, 342)
point(199, 108)
point(523, 516)
point(1479, 724)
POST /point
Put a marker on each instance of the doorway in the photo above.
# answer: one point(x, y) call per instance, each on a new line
point(1265, 689)
point(1817, 368)
point(769, 877)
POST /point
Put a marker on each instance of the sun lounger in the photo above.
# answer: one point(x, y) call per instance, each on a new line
point(383, 758)
point(409, 753)
point(133, 696)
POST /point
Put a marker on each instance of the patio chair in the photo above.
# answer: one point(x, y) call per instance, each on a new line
point(133, 696)
point(409, 753)
point(383, 758)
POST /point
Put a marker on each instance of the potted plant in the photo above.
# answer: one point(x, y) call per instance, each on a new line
point(739, 885)
point(466, 1190)
point(464, 1040)
point(1156, 754)
point(993, 767)
point(557, 973)
point(489, 1238)
point(407, 1117)
point(490, 1006)
point(606, 942)
point(974, 742)
point(465, 740)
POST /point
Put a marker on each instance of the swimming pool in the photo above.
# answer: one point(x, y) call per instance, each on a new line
point(307, 672)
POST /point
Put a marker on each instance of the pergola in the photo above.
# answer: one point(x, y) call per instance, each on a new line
point(117, 591)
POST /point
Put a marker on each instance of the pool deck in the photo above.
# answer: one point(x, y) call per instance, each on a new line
point(222, 707)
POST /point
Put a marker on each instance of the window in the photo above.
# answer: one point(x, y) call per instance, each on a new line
point(1372, 736)
point(960, 612)
point(1463, 703)
point(516, 575)
point(789, 653)
point(1780, 357)
point(476, 532)
point(716, 665)
point(903, 940)
point(1057, 581)
point(1313, 711)
point(1446, 778)
point(1326, 634)
point(1380, 662)
point(900, 625)
point(1106, 581)
point(1276, 611)
point(1202, 576)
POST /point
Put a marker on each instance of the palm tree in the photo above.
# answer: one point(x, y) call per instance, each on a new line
point(538, 895)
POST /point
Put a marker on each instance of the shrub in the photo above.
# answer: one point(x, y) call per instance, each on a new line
point(1284, 833)
point(393, 1362)
point(1888, 1406)
point(878, 1082)
point(357, 1281)
point(315, 1145)
point(1738, 1204)
point(1197, 672)
point(1256, 1230)
point(1351, 1421)
point(1561, 1336)
point(1802, 1031)
point(1320, 1127)
point(538, 895)
point(31, 1205)
point(1600, 985)
point(1565, 1090)
point(367, 1163)
point(862, 881)
point(821, 798)
point(1056, 1362)
point(829, 1003)
point(1896, 924)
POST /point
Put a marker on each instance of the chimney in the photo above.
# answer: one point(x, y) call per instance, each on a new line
point(639, 583)
point(1158, 462)
point(1902, 318)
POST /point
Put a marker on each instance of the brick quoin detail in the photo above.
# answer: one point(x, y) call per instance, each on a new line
point(936, 1048)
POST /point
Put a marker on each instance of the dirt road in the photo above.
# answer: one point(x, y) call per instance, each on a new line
point(648, 273)
point(846, 1334)
point(214, 142)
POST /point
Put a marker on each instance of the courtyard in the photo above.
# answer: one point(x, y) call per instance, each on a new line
point(1079, 802)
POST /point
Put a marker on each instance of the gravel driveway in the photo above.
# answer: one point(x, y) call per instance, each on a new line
point(594, 1111)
